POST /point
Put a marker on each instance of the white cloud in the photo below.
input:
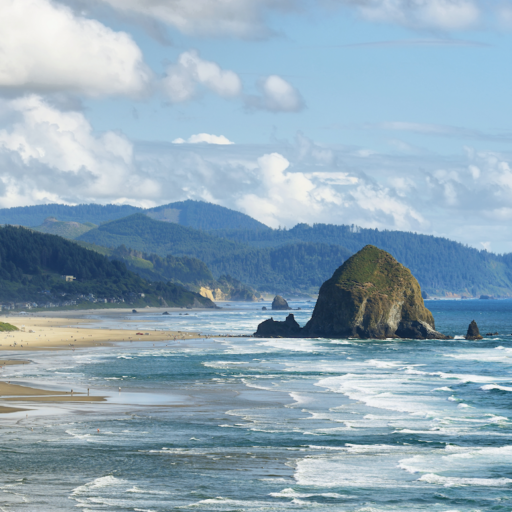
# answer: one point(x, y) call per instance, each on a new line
point(183, 78)
point(251, 18)
point(422, 14)
point(277, 95)
point(45, 47)
point(50, 155)
point(206, 138)
point(239, 18)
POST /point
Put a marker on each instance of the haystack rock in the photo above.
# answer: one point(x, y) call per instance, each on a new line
point(371, 296)
point(473, 332)
point(280, 304)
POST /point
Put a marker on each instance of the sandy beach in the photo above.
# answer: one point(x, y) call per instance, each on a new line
point(56, 333)
point(41, 333)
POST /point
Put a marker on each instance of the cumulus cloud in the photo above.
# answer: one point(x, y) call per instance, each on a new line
point(191, 75)
point(277, 95)
point(191, 72)
point(50, 155)
point(206, 138)
point(239, 18)
point(45, 47)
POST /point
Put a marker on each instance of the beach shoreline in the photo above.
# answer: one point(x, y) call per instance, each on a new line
point(39, 333)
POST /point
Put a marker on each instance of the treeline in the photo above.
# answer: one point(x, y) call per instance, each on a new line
point(31, 266)
point(439, 264)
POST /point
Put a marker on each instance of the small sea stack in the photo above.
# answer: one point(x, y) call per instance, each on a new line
point(273, 329)
point(473, 332)
point(280, 304)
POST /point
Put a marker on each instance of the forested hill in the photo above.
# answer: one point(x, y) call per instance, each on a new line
point(32, 216)
point(152, 236)
point(194, 214)
point(296, 267)
point(32, 265)
point(204, 216)
point(440, 265)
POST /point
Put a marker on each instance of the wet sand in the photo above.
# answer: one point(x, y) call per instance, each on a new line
point(55, 333)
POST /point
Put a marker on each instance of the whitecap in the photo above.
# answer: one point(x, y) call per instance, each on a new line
point(489, 387)
point(459, 482)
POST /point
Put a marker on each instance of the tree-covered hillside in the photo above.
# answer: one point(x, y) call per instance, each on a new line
point(70, 229)
point(439, 264)
point(293, 267)
point(204, 216)
point(194, 214)
point(32, 265)
point(32, 216)
point(155, 237)
point(190, 272)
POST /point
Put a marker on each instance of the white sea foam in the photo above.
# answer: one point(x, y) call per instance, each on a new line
point(98, 483)
point(463, 463)
point(458, 482)
point(291, 493)
point(489, 387)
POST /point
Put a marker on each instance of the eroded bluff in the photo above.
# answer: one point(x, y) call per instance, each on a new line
point(371, 296)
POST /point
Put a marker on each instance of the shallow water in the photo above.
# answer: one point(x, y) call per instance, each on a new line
point(244, 424)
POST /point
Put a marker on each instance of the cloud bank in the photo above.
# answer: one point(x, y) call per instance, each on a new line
point(50, 155)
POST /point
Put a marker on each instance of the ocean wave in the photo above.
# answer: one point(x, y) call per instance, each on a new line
point(459, 482)
point(98, 483)
point(490, 387)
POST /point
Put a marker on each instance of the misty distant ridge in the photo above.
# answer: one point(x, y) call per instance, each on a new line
point(195, 214)
point(285, 260)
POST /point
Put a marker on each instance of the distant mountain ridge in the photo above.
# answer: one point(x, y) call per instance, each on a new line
point(279, 260)
point(194, 214)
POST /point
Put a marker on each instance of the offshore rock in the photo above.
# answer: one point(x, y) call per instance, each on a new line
point(371, 296)
point(473, 332)
point(273, 329)
point(280, 304)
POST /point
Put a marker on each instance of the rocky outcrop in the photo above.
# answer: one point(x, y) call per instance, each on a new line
point(371, 296)
point(280, 304)
point(273, 329)
point(473, 332)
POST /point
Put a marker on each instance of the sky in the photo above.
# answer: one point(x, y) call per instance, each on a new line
point(388, 114)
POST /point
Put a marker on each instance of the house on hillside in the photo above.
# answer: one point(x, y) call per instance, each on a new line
point(68, 279)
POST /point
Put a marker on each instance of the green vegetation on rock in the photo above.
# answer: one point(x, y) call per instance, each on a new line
point(5, 327)
point(371, 296)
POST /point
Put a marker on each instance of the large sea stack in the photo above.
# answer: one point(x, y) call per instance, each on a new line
point(371, 296)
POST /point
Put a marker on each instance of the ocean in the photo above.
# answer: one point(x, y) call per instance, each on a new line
point(245, 424)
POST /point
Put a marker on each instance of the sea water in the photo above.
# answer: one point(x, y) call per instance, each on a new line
point(245, 424)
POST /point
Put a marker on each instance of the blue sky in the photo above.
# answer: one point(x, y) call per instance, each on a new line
point(382, 113)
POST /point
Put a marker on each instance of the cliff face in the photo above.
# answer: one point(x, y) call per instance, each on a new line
point(371, 296)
